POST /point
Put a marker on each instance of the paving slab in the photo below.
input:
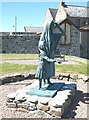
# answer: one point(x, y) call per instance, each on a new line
point(48, 91)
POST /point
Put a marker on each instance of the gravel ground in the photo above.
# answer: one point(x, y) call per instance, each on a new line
point(78, 109)
point(68, 61)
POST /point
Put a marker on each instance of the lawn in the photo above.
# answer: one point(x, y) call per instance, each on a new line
point(18, 56)
point(8, 68)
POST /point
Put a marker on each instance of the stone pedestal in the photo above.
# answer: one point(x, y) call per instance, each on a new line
point(55, 100)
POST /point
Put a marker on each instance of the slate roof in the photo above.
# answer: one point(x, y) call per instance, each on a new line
point(76, 11)
point(33, 29)
point(53, 12)
point(73, 11)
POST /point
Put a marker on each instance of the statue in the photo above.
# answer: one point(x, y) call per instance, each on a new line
point(47, 46)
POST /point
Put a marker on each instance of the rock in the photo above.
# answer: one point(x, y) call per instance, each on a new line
point(11, 105)
point(22, 110)
point(31, 108)
point(21, 97)
point(42, 107)
point(79, 76)
point(57, 103)
point(23, 105)
point(33, 99)
point(55, 111)
point(11, 96)
point(32, 105)
point(65, 74)
point(72, 80)
point(44, 100)
point(85, 78)
point(65, 79)
point(60, 77)
point(0, 81)
point(9, 100)
point(63, 94)
point(80, 80)
point(74, 76)
point(60, 99)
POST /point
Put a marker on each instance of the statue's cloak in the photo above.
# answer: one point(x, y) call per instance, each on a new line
point(47, 47)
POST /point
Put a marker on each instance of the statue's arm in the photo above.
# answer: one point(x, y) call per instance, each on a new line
point(48, 59)
point(61, 30)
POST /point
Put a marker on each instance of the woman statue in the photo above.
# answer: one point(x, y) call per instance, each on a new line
point(47, 47)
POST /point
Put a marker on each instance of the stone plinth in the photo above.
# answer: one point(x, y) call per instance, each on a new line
point(55, 100)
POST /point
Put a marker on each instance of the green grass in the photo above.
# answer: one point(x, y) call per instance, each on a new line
point(18, 56)
point(8, 68)
point(75, 69)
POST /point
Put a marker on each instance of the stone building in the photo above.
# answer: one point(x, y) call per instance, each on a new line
point(73, 20)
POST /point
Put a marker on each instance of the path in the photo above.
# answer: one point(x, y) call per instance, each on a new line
point(36, 61)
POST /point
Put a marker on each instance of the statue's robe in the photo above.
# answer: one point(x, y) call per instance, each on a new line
point(47, 46)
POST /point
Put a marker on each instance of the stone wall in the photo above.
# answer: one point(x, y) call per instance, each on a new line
point(28, 44)
point(20, 44)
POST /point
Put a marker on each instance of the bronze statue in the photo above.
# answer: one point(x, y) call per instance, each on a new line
point(47, 47)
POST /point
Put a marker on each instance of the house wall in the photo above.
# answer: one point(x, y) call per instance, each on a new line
point(84, 35)
point(74, 47)
point(79, 21)
point(47, 18)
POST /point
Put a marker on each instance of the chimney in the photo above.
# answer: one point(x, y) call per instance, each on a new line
point(62, 3)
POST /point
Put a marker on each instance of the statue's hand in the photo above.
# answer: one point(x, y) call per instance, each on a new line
point(58, 61)
point(48, 59)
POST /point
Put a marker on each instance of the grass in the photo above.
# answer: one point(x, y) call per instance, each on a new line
point(18, 56)
point(75, 69)
point(8, 68)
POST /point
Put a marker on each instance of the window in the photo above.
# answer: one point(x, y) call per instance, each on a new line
point(66, 38)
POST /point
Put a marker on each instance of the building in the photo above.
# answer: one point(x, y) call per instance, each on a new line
point(31, 29)
point(74, 20)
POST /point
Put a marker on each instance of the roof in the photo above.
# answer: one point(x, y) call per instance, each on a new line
point(85, 28)
point(67, 20)
point(73, 11)
point(76, 11)
point(53, 12)
point(33, 29)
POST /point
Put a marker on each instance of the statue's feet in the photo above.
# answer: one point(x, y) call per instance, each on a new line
point(44, 81)
point(40, 88)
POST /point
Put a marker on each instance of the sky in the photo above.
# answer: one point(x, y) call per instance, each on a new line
point(28, 14)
